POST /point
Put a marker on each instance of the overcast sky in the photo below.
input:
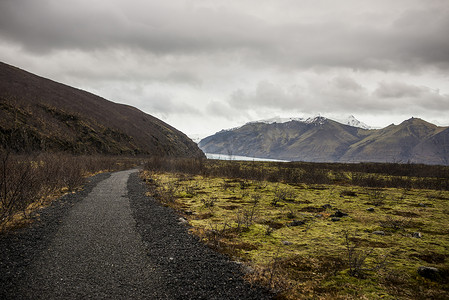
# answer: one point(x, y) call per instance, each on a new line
point(205, 65)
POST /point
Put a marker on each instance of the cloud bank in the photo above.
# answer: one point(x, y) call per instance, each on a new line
point(204, 65)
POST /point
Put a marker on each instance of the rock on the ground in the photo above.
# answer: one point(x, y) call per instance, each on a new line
point(339, 214)
point(417, 235)
point(296, 223)
point(429, 272)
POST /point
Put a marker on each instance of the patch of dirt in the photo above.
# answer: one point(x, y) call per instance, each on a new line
point(431, 257)
point(290, 200)
point(441, 232)
point(303, 268)
point(407, 214)
point(312, 209)
point(273, 224)
point(304, 202)
point(204, 216)
point(232, 198)
point(348, 193)
point(319, 188)
point(367, 243)
point(229, 207)
point(420, 205)
point(245, 246)
point(382, 208)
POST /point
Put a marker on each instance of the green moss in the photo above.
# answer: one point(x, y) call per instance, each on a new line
point(245, 222)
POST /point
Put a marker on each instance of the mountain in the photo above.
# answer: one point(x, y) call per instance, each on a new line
point(323, 140)
point(350, 120)
point(38, 114)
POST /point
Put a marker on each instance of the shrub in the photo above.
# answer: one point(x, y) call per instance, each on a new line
point(27, 179)
point(395, 224)
point(377, 197)
point(282, 194)
point(357, 259)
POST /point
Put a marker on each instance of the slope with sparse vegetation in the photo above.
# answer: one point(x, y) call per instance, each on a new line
point(37, 114)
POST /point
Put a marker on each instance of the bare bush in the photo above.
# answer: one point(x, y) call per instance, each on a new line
point(282, 194)
point(167, 192)
point(395, 224)
point(246, 217)
point(191, 190)
point(226, 185)
point(217, 233)
point(208, 203)
point(27, 179)
point(377, 197)
point(357, 259)
point(18, 186)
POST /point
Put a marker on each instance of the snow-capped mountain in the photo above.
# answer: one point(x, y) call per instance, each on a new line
point(350, 120)
point(278, 120)
point(319, 139)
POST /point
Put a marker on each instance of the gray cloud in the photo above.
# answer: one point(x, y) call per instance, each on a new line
point(165, 106)
point(173, 28)
point(222, 110)
point(416, 98)
point(399, 90)
point(255, 58)
point(183, 78)
point(347, 83)
point(266, 94)
point(341, 95)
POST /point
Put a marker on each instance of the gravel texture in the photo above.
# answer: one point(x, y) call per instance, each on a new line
point(19, 248)
point(110, 241)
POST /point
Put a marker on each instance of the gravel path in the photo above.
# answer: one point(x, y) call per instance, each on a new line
point(115, 243)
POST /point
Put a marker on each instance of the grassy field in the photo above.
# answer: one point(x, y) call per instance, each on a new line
point(307, 239)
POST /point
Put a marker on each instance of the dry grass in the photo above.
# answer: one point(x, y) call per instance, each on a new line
point(33, 181)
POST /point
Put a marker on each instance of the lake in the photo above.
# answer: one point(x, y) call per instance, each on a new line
point(238, 157)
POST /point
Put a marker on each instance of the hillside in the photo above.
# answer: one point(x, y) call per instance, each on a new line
point(325, 140)
point(37, 114)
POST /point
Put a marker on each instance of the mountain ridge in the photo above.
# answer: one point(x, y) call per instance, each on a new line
point(39, 114)
point(326, 140)
point(350, 120)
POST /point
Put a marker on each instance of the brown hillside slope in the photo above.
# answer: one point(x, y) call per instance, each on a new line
point(397, 143)
point(324, 140)
point(39, 114)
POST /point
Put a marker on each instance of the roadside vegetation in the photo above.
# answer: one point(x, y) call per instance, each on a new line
point(28, 182)
point(334, 231)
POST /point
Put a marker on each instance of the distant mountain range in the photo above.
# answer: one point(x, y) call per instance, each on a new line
point(350, 120)
point(320, 139)
point(37, 114)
